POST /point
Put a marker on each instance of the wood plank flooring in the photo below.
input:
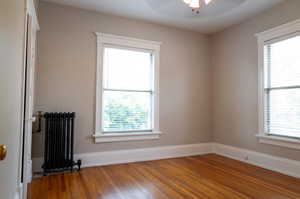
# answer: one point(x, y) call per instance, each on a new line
point(198, 177)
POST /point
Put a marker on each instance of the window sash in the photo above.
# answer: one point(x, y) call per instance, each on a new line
point(131, 131)
point(151, 92)
point(152, 69)
point(268, 110)
point(267, 84)
point(267, 104)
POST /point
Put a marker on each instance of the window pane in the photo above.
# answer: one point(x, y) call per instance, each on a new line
point(284, 112)
point(284, 62)
point(127, 69)
point(124, 111)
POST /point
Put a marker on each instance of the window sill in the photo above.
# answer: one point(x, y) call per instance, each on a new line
point(122, 137)
point(292, 143)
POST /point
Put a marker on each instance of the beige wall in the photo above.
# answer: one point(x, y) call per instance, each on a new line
point(234, 63)
point(67, 68)
point(66, 80)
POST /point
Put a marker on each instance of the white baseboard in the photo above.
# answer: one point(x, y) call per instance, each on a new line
point(135, 155)
point(145, 154)
point(19, 192)
point(29, 171)
point(17, 195)
point(37, 165)
point(281, 165)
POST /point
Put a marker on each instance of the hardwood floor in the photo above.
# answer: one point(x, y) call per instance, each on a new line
point(198, 177)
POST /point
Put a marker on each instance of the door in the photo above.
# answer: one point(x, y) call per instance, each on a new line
point(12, 31)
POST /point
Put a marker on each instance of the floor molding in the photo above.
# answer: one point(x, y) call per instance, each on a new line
point(19, 192)
point(135, 155)
point(281, 165)
point(29, 171)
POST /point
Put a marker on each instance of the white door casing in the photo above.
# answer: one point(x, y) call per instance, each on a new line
point(32, 29)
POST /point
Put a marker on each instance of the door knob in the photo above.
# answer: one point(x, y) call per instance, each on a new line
point(3, 151)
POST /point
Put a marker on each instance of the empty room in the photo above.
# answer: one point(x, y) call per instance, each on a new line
point(150, 99)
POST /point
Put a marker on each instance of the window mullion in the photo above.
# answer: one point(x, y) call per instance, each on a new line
point(282, 88)
point(129, 131)
point(128, 90)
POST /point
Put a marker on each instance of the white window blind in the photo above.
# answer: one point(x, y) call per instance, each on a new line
point(282, 87)
point(127, 90)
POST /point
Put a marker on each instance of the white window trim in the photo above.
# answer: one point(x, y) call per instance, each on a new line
point(128, 42)
point(262, 38)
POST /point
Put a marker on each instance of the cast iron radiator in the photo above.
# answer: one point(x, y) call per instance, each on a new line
point(59, 140)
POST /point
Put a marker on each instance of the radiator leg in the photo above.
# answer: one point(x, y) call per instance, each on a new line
point(79, 164)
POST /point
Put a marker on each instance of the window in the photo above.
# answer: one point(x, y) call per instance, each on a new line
point(280, 85)
point(127, 89)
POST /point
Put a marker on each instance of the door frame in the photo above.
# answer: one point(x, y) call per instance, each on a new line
point(31, 25)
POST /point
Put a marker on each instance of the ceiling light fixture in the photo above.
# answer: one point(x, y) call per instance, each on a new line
point(195, 4)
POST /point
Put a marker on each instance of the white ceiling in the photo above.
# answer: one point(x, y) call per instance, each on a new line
point(214, 17)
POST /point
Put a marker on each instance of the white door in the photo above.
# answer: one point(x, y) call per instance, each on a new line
point(12, 31)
